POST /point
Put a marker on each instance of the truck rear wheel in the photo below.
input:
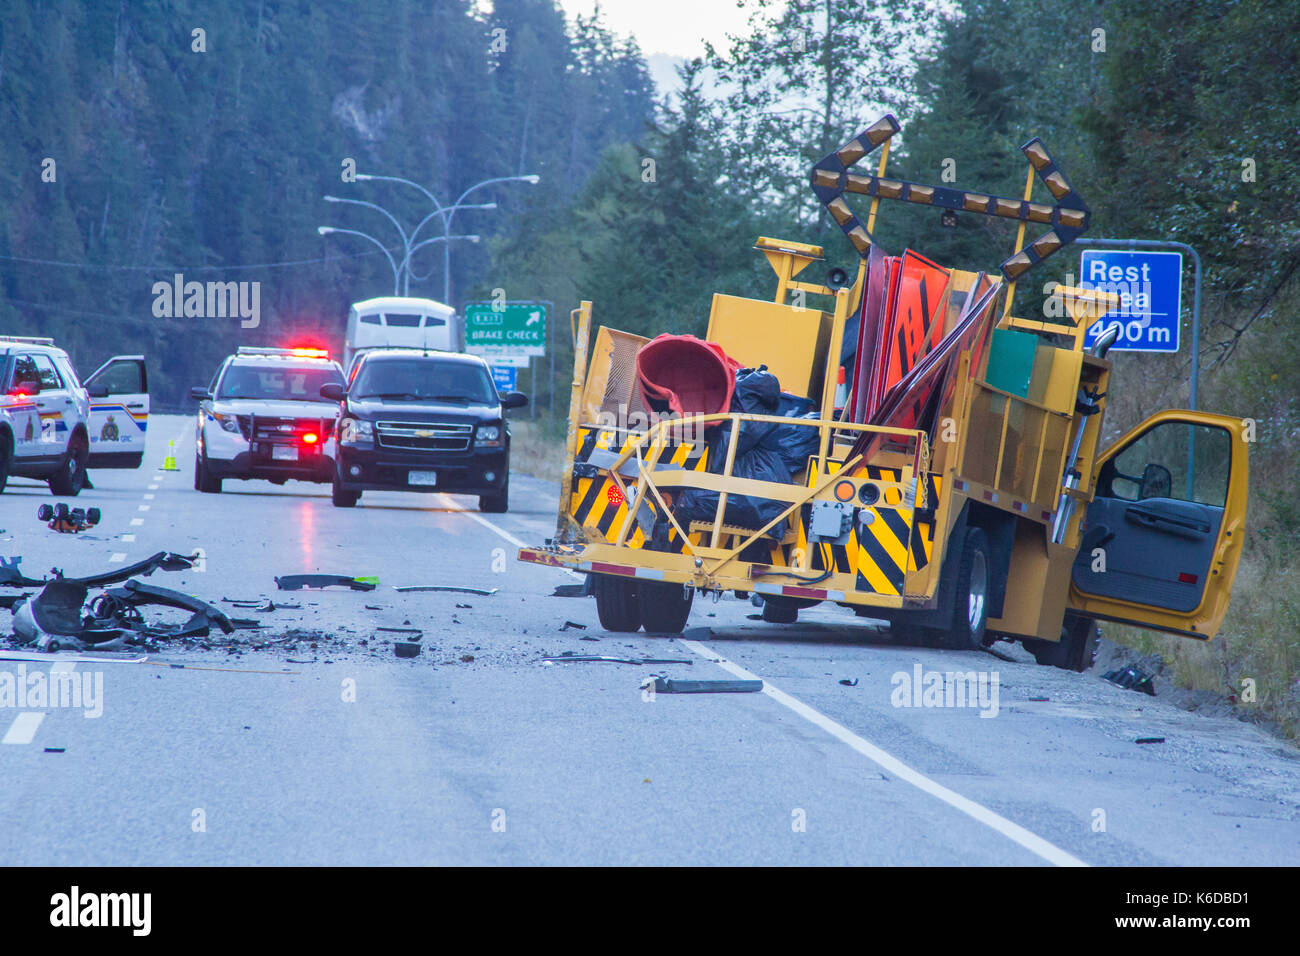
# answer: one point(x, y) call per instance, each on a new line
point(617, 605)
point(970, 613)
point(665, 607)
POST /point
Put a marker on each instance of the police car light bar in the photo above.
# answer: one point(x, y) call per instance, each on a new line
point(28, 339)
point(294, 352)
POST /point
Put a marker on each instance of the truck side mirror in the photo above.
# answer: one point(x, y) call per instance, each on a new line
point(97, 391)
point(198, 392)
point(1157, 482)
point(333, 391)
point(514, 400)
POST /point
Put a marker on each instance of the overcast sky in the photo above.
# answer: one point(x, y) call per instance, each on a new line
point(676, 27)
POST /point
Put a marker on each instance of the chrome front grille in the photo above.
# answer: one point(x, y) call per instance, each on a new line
point(424, 436)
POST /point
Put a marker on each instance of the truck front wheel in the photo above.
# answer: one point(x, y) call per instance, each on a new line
point(1074, 651)
point(616, 602)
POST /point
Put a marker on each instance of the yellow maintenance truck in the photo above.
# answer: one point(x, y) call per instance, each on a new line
point(935, 461)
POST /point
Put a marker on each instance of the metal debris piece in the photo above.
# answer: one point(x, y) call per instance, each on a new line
point(412, 588)
point(406, 648)
point(10, 576)
point(570, 590)
point(400, 630)
point(1150, 740)
point(164, 560)
point(1131, 678)
point(664, 685)
point(573, 624)
point(850, 683)
point(296, 582)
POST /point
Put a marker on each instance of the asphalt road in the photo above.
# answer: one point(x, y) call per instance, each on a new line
point(322, 747)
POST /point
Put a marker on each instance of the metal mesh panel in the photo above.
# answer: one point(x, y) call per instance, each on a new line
point(621, 387)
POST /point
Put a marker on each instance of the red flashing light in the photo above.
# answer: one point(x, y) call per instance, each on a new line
point(614, 496)
point(302, 351)
point(310, 438)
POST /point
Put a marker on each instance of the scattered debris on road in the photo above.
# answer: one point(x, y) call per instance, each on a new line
point(400, 630)
point(1150, 740)
point(406, 648)
point(413, 588)
point(573, 624)
point(296, 582)
point(849, 683)
point(1131, 678)
point(664, 685)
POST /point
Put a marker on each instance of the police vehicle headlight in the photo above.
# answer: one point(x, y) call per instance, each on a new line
point(228, 423)
point(488, 436)
point(353, 430)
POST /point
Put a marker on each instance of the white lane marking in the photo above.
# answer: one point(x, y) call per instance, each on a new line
point(149, 497)
point(23, 729)
point(1012, 831)
point(117, 557)
point(154, 487)
point(136, 522)
point(127, 538)
point(452, 506)
point(143, 508)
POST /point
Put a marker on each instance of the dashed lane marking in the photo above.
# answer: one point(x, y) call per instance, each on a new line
point(24, 727)
point(452, 506)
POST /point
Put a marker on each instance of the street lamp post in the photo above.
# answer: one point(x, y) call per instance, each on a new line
point(446, 213)
point(330, 230)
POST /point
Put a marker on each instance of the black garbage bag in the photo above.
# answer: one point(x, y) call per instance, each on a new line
point(796, 443)
point(757, 393)
point(745, 511)
point(765, 451)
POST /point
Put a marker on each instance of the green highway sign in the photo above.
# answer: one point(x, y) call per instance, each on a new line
point(505, 328)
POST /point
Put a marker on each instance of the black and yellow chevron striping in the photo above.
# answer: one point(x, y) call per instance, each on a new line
point(597, 503)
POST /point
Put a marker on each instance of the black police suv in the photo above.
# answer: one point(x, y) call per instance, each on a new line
point(414, 420)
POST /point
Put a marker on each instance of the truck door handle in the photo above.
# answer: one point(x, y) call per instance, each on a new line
point(1187, 527)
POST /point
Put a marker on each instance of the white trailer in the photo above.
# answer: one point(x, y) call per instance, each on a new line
point(401, 322)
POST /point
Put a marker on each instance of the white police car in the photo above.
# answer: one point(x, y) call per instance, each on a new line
point(52, 427)
point(262, 416)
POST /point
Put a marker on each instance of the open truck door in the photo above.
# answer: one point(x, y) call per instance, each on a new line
point(119, 412)
point(1164, 532)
